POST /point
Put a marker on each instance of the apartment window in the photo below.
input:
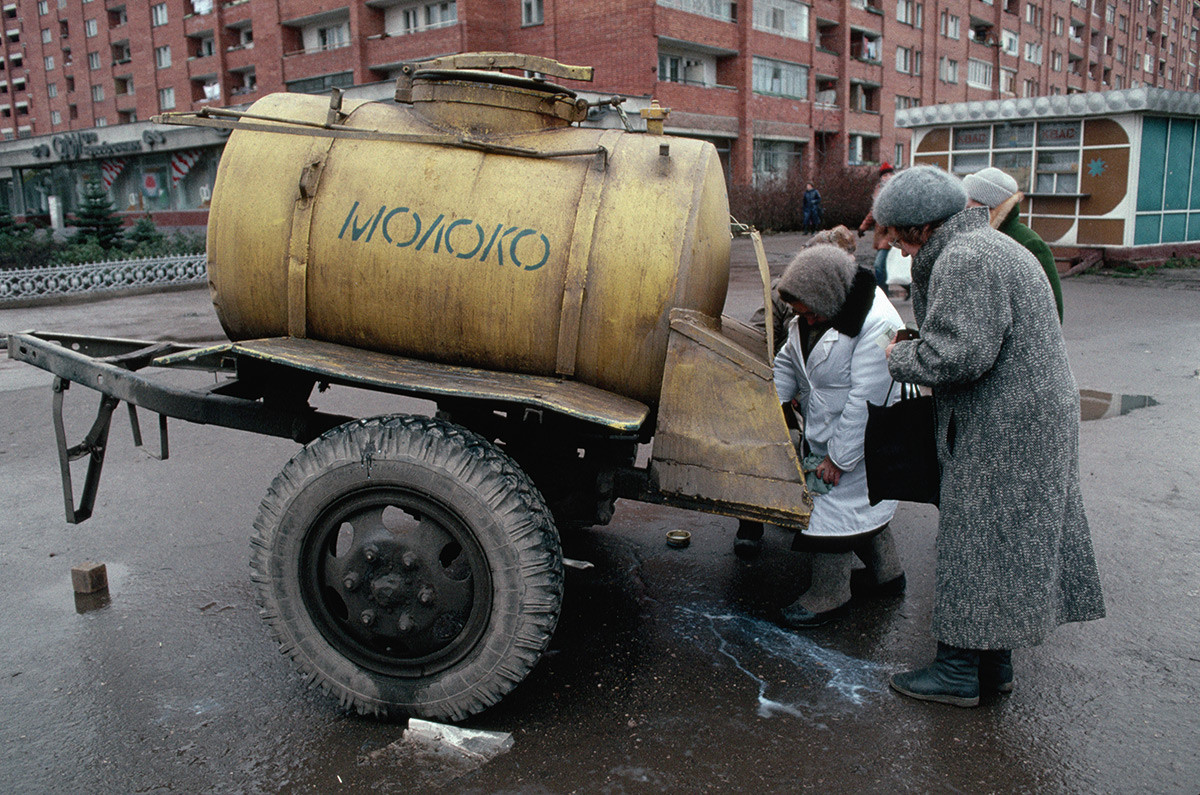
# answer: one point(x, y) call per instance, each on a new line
point(55, 117)
point(910, 13)
point(1033, 15)
point(1029, 89)
point(898, 155)
point(1033, 52)
point(979, 73)
point(948, 70)
point(204, 46)
point(1123, 23)
point(1149, 63)
point(724, 10)
point(72, 112)
point(43, 8)
point(322, 84)
point(49, 63)
point(47, 36)
point(1010, 43)
point(948, 25)
point(531, 12)
point(1120, 53)
point(70, 84)
point(97, 93)
point(908, 61)
point(787, 18)
point(90, 28)
point(864, 46)
point(162, 56)
point(1008, 81)
point(332, 37)
point(100, 121)
point(780, 78)
point(1056, 61)
point(158, 15)
point(93, 60)
point(676, 67)
point(775, 159)
point(52, 90)
point(1110, 14)
point(863, 149)
point(414, 18)
point(904, 103)
point(1058, 25)
point(166, 98)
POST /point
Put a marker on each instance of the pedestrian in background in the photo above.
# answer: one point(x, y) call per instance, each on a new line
point(812, 209)
point(882, 244)
point(999, 192)
point(1014, 552)
point(832, 365)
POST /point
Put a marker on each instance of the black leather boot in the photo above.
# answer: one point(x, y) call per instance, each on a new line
point(995, 670)
point(953, 678)
point(748, 543)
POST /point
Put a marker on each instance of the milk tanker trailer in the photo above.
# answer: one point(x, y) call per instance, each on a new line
point(556, 290)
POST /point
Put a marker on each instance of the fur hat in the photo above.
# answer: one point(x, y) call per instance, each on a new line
point(819, 277)
point(990, 187)
point(839, 236)
point(917, 196)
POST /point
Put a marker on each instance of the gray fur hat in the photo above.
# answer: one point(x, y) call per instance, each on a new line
point(819, 277)
point(990, 187)
point(917, 196)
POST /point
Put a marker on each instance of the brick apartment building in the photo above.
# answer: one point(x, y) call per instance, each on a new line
point(774, 84)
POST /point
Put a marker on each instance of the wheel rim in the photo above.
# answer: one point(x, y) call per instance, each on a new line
point(395, 580)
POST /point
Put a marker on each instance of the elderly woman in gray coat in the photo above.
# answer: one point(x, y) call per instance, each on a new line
point(1014, 553)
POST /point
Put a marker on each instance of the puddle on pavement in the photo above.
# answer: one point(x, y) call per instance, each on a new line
point(1096, 405)
point(820, 680)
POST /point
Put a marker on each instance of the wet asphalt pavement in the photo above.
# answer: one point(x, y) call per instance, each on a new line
point(665, 673)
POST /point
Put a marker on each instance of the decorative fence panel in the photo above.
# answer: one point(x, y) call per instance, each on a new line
point(101, 277)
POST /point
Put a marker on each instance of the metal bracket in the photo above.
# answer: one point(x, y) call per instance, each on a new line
point(93, 446)
point(163, 452)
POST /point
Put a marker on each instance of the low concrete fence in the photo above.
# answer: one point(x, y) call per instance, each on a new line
point(27, 285)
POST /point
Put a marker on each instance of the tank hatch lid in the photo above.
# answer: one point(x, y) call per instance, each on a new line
point(496, 79)
point(341, 364)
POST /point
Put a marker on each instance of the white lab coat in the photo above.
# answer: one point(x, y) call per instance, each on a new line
point(833, 386)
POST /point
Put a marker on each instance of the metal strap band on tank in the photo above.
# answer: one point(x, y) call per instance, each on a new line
point(298, 242)
point(768, 305)
point(582, 233)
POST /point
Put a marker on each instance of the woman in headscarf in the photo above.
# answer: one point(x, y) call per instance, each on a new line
point(1014, 553)
point(832, 364)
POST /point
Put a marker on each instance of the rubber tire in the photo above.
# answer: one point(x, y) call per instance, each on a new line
point(499, 503)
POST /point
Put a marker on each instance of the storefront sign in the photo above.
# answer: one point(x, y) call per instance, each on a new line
point(78, 145)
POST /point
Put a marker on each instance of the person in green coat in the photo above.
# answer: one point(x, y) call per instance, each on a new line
point(996, 190)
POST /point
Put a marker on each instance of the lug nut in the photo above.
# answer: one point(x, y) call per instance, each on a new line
point(350, 582)
point(405, 623)
point(371, 553)
point(410, 560)
point(425, 595)
point(367, 617)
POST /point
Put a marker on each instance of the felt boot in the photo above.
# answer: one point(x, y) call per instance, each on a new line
point(995, 670)
point(883, 575)
point(827, 595)
point(952, 678)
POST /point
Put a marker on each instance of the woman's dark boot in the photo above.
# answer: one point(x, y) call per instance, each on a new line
point(953, 678)
point(748, 543)
point(884, 575)
point(995, 670)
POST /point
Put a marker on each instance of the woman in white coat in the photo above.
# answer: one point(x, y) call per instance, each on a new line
point(832, 365)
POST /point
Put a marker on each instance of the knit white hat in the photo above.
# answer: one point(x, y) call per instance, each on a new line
point(990, 187)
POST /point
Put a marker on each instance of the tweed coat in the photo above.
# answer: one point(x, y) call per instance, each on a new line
point(1014, 553)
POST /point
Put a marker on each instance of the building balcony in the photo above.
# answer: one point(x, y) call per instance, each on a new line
point(300, 64)
point(240, 58)
point(202, 65)
point(383, 50)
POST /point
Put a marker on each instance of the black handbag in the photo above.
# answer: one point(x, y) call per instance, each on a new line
point(900, 449)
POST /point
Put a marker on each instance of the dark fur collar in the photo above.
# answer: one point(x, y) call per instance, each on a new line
point(849, 320)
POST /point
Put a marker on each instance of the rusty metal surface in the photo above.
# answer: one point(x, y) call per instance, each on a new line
point(400, 375)
point(733, 457)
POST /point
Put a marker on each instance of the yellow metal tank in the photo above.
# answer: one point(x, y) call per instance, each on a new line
point(484, 252)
